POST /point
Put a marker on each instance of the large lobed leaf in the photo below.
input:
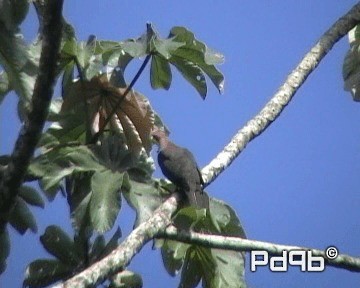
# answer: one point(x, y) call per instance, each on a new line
point(144, 197)
point(214, 267)
point(105, 201)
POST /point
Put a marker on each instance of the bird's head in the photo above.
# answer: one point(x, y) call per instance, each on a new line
point(160, 138)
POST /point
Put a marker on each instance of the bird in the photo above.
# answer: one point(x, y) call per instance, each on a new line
point(178, 164)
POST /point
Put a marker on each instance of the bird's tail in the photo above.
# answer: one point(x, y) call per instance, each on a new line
point(198, 198)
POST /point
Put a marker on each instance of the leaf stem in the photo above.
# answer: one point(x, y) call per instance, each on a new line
point(128, 89)
point(87, 120)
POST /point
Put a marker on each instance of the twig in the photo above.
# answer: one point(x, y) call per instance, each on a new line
point(282, 97)
point(238, 244)
point(30, 132)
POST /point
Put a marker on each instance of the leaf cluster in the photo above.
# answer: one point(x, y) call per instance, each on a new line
point(96, 150)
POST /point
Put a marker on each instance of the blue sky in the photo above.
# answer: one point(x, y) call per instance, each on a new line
point(295, 184)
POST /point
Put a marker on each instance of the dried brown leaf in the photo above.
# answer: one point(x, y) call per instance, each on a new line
point(133, 117)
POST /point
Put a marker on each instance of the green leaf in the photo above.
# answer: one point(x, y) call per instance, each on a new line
point(21, 217)
point(144, 198)
point(173, 254)
point(97, 248)
point(160, 73)
point(43, 272)
point(31, 196)
point(166, 47)
point(225, 219)
point(192, 73)
point(15, 59)
point(351, 71)
point(13, 12)
point(67, 79)
point(70, 48)
point(215, 267)
point(136, 48)
point(4, 249)
point(4, 85)
point(70, 128)
point(58, 163)
point(80, 217)
point(228, 270)
point(100, 249)
point(126, 279)
point(197, 53)
point(112, 244)
point(191, 271)
point(85, 50)
point(104, 46)
point(105, 200)
point(60, 245)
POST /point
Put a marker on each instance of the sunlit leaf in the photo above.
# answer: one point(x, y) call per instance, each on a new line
point(126, 279)
point(105, 200)
point(54, 165)
point(199, 55)
point(15, 59)
point(4, 85)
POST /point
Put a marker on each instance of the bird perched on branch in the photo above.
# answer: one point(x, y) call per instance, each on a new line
point(179, 166)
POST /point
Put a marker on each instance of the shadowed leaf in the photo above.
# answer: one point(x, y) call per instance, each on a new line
point(60, 245)
point(21, 217)
point(43, 272)
point(4, 249)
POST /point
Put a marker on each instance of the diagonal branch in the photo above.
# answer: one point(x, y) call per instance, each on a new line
point(122, 255)
point(12, 178)
point(282, 97)
point(238, 244)
point(118, 259)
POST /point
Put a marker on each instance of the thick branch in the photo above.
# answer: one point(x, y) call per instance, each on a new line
point(30, 133)
point(238, 244)
point(282, 97)
point(122, 255)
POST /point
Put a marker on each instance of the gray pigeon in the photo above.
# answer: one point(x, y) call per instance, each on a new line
point(179, 166)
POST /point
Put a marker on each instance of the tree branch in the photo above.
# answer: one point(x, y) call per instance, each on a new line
point(282, 97)
point(118, 259)
point(238, 244)
point(30, 133)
